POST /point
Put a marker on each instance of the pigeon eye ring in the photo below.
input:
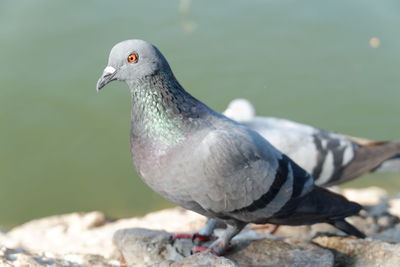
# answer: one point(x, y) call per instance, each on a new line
point(133, 58)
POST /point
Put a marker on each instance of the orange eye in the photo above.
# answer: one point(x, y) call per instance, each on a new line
point(133, 58)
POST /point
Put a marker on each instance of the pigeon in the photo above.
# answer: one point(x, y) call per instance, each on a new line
point(203, 161)
point(331, 158)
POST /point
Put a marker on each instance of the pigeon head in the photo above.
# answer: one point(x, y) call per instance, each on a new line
point(132, 60)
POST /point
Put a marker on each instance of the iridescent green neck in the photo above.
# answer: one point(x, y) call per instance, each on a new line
point(158, 107)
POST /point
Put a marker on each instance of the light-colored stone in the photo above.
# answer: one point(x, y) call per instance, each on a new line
point(365, 196)
point(85, 239)
point(141, 247)
point(391, 235)
point(355, 252)
point(267, 252)
point(91, 233)
point(394, 206)
point(199, 260)
point(21, 258)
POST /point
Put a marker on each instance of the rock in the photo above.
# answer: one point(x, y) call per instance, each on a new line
point(366, 196)
point(91, 233)
point(9, 257)
point(355, 252)
point(394, 206)
point(267, 252)
point(199, 260)
point(141, 247)
point(19, 257)
point(86, 239)
point(390, 235)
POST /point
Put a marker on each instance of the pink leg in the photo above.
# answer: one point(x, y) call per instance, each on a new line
point(203, 235)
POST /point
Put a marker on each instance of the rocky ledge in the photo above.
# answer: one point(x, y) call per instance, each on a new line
point(92, 239)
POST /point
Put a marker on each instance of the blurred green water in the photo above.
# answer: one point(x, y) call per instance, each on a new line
point(64, 148)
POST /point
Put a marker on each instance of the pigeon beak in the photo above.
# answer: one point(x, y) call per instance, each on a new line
point(108, 76)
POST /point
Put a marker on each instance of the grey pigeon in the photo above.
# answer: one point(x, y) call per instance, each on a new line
point(208, 163)
point(331, 158)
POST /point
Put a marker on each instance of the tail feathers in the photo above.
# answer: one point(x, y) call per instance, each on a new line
point(369, 157)
point(347, 228)
point(328, 205)
point(336, 208)
point(320, 205)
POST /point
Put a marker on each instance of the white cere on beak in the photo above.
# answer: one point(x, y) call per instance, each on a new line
point(109, 70)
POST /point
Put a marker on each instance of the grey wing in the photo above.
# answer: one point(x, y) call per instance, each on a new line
point(335, 153)
point(245, 174)
point(322, 153)
point(330, 157)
